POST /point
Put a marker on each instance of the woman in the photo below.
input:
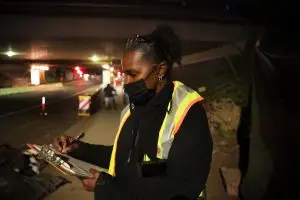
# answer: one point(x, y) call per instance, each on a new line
point(163, 147)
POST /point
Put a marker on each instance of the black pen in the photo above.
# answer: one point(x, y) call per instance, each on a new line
point(76, 139)
point(72, 141)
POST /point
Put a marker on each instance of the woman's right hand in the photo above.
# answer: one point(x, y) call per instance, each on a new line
point(64, 144)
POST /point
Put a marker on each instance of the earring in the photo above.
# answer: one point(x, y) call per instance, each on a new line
point(160, 78)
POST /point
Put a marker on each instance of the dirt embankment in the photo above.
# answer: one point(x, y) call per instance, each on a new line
point(223, 107)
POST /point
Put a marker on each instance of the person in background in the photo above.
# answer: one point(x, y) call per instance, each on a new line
point(163, 148)
point(109, 93)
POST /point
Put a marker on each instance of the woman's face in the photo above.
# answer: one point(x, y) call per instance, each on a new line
point(135, 68)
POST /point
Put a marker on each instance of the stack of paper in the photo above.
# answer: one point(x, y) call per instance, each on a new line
point(63, 162)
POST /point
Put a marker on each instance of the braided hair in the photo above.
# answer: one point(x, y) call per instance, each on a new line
point(162, 45)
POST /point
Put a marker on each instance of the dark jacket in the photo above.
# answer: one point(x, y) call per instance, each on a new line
point(109, 91)
point(188, 162)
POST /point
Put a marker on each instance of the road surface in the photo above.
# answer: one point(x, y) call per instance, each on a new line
point(20, 118)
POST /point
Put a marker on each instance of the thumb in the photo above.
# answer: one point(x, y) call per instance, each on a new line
point(93, 171)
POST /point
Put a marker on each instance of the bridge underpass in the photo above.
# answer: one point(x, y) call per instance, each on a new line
point(72, 40)
point(68, 40)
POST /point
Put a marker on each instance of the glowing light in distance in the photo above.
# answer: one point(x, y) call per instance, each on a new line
point(40, 67)
point(95, 58)
point(105, 66)
point(35, 77)
point(86, 77)
point(11, 53)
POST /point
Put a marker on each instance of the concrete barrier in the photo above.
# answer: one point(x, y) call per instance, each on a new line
point(18, 90)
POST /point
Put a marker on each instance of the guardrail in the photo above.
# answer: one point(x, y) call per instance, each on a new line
point(19, 90)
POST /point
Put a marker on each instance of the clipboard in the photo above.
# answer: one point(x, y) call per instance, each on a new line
point(63, 162)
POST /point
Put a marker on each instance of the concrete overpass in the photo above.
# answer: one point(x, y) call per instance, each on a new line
point(70, 39)
point(76, 38)
point(55, 27)
point(72, 30)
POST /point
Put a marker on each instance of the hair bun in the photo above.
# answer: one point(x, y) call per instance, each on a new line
point(166, 38)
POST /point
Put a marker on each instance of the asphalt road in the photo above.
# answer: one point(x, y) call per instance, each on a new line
point(20, 118)
point(16, 103)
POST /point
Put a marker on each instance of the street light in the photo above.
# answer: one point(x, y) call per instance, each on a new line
point(95, 58)
point(11, 53)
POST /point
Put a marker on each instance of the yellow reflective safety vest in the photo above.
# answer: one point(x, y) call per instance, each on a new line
point(183, 98)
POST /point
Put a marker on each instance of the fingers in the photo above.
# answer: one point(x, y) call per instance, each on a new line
point(66, 150)
point(60, 143)
point(64, 142)
point(70, 148)
point(84, 183)
point(56, 144)
point(95, 173)
point(90, 183)
point(87, 185)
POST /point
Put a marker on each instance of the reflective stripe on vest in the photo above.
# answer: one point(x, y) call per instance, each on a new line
point(124, 116)
point(182, 99)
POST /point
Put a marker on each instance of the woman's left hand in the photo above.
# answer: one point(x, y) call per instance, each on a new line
point(90, 183)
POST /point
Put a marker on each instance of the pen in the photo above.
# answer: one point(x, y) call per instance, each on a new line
point(76, 139)
point(72, 141)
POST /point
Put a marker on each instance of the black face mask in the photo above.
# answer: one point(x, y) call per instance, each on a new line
point(138, 92)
